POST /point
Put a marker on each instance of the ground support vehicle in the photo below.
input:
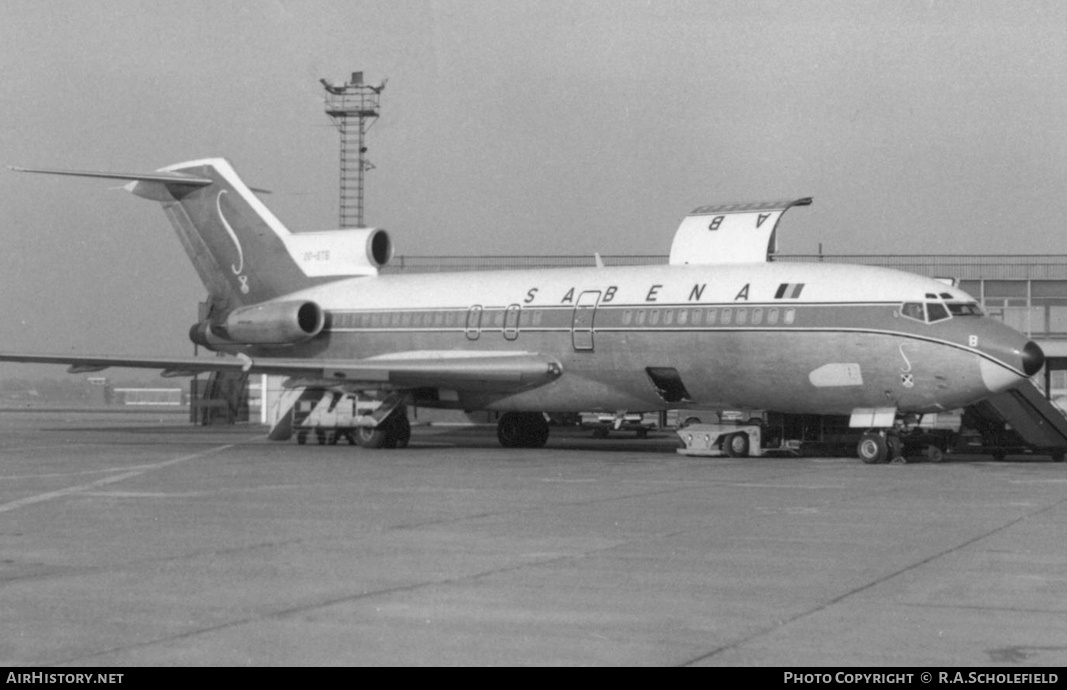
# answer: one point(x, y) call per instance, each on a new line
point(334, 417)
point(603, 423)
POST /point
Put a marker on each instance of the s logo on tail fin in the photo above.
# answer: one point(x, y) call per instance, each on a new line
point(239, 269)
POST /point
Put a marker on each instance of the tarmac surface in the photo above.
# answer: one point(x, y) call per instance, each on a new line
point(137, 540)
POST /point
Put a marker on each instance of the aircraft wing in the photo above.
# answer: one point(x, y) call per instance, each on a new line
point(456, 369)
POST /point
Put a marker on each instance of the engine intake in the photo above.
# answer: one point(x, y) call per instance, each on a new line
point(274, 323)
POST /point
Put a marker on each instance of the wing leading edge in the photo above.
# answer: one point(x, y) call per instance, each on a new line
point(461, 370)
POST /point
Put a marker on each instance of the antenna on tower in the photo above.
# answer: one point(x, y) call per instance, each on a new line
point(354, 108)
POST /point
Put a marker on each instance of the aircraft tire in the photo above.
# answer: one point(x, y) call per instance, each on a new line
point(372, 436)
point(522, 430)
point(736, 445)
point(933, 454)
point(403, 430)
point(537, 431)
point(896, 448)
point(872, 449)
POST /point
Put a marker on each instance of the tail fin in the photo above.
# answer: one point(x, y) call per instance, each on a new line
point(241, 251)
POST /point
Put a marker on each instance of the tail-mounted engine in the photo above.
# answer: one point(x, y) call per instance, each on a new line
point(349, 252)
point(274, 323)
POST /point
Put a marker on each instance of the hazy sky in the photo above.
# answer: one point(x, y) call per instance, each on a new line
point(517, 127)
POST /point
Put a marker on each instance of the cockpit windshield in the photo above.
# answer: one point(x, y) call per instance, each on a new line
point(936, 311)
point(932, 312)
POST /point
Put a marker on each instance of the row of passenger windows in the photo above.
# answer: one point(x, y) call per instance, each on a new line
point(532, 318)
point(929, 312)
point(406, 319)
point(708, 317)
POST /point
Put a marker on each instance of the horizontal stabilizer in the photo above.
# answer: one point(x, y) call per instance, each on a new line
point(164, 177)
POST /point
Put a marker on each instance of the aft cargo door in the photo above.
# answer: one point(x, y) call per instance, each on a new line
point(582, 325)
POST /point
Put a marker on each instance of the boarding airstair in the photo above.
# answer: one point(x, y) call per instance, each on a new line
point(1020, 420)
point(222, 399)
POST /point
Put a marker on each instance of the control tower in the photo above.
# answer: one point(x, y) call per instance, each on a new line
point(353, 107)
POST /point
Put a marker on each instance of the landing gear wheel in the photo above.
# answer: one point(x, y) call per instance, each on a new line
point(933, 454)
point(998, 455)
point(522, 430)
point(301, 437)
point(872, 449)
point(736, 445)
point(392, 432)
point(600, 433)
point(403, 430)
point(371, 436)
point(896, 450)
point(642, 433)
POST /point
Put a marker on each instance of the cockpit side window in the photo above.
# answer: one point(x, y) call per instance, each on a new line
point(913, 310)
point(964, 309)
point(935, 311)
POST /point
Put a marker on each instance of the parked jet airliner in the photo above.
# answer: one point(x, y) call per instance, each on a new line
point(720, 326)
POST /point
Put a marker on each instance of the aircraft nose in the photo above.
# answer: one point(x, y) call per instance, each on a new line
point(1033, 358)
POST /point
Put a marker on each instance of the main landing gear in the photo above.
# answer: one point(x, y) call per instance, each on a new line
point(875, 448)
point(522, 430)
point(392, 432)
